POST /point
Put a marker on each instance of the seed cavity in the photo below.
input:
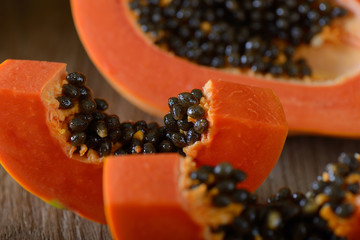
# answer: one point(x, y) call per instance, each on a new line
point(257, 35)
point(285, 214)
point(92, 128)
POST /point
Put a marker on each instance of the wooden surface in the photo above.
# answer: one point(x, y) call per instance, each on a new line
point(43, 30)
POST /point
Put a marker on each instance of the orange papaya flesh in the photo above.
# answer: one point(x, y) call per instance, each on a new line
point(31, 153)
point(134, 189)
point(140, 207)
point(246, 126)
point(317, 108)
point(259, 112)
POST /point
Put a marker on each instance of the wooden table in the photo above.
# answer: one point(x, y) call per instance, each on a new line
point(43, 30)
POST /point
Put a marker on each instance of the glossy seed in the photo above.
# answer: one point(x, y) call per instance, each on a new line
point(114, 135)
point(92, 140)
point(70, 90)
point(101, 129)
point(178, 140)
point(192, 137)
point(112, 122)
point(84, 92)
point(172, 101)
point(201, 126)
point(166, 146)
point(127, 135)
point(170, 123)
point(196, 112)
point(223, 170)
point(104, 148)
point(149, 148)
point(141, 125)
point(153, 136)
point(187, 99)
point(101, 104)
point(97, 115)
point(65, 102)
point(178, 111)
point(78, 123)
point(87, 105)
point(77, 139)
point(88, 117)
point(197, 93)
point(184, 124)
point(76, 78)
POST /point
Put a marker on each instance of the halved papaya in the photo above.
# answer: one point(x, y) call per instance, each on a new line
point(146, 74)
point(55, 135)
point(167, 197)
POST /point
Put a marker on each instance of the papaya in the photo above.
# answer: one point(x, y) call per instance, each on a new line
point(32, 151)
point(168, 197)
point(55, 134)
point(318, 93)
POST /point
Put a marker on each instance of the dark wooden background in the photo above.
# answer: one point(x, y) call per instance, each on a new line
point(43, 30)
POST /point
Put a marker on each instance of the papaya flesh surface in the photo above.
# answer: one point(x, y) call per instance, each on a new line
point(248, 128)
point(143, 200)
point(147, 75)
point(31, 154)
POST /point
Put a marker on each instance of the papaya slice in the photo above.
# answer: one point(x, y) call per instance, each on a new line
point(117, 46)
point(32, 152)
point(150, 202)
point(234, 110)
point(168, 197)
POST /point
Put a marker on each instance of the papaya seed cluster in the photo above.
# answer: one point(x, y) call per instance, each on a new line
point(186, 120)
point(260, 35)
point(93, 128)
point(286, 214)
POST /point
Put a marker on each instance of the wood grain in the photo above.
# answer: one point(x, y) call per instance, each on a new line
point(43, 30)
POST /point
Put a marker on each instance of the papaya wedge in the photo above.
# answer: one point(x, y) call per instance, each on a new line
point(32, 152)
